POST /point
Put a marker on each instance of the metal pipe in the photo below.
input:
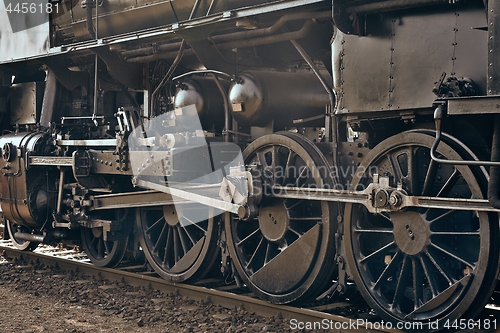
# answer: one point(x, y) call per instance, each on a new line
point(60, 191)
point(232, 36)
point(29, 237)
point(393, 5)
point(328, 114)
point(169, 74)
point(151, 50)
point(270, 39)
point(438, 115)
point(306, 28)
point(96, 88)
point(227, 112)
point(203, 71)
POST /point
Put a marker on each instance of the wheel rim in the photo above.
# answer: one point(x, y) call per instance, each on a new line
point(103, 253)
point(422, 264)
point(20, 244)
point(286, 253)
point(177, 247)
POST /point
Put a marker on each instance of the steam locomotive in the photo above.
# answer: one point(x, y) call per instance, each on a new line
point(295, 145)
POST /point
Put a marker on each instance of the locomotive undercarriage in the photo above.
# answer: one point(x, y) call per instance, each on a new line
point(210, 153)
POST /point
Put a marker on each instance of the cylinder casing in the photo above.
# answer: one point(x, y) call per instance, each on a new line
point(204, 94)
point(261, 97)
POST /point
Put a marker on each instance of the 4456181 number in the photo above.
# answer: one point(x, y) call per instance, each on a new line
point(33, 8)
point(463, 324)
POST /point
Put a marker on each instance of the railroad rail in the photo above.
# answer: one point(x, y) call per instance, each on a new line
point(73, 259)
point(229, 296)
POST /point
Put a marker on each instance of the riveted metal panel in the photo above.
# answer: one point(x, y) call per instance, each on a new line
point(397, 64)
point(493, 47)
point(26, 103)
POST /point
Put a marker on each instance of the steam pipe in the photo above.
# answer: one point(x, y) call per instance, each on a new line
point(230, 36)
point(306, 28)
point(439, 113)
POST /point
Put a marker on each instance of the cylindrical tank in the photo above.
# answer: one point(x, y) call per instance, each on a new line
point(204, 94)
point(261, 97)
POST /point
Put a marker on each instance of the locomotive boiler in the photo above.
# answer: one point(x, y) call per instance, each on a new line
point(294, 145)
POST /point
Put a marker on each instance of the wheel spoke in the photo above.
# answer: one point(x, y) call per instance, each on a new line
point(313, 218)
point(191, 239)
point(398, 174)
point(250, 261)
point(153, 225)
point(289, 158)
point(262, 158)
point(253, 233)
point(380, 251)
point(292, 229)
point(295, 204)
point(401, 283)
point(449, 184)
point(440, 268)
point(456, 233)
point(275, 163)
point(94, 242)
point(418, 292)
point(301, 174)
point(430, 278)
point(107, 247)
point(177, 250)
point(159, 241)
point(374, 231)
point(389, 269)
point(182, 238)
point(454, 256)
point(442, 215)
point(268, 253)
point(429, 178)
point(197, 225)
point(169, 246)
point(385, 216)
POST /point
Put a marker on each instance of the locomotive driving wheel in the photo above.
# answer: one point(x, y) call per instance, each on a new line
point(20, 244)
point(423, 266)
point(179, 241)
point(103, 253)
point(286, 253)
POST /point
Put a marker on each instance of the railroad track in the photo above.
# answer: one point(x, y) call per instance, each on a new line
point(226, 295)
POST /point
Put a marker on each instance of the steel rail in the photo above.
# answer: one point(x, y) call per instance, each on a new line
point(223, 298)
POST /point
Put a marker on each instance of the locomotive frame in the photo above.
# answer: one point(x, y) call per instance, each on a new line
point(369, 130)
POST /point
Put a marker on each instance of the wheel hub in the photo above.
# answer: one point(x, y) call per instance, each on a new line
point(411, 232)
point(274, 221)
point(97, 232)
point(170, 215)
